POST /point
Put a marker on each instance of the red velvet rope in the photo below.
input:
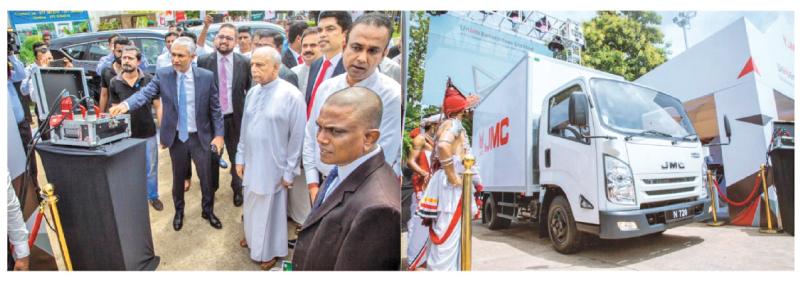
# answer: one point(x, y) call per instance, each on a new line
point(742, 203)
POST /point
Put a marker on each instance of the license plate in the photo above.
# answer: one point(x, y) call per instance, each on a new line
point(678, 214)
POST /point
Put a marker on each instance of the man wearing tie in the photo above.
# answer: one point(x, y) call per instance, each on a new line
point(191, 123)
point(355, 220)
point(232, 77)
point(333, 25)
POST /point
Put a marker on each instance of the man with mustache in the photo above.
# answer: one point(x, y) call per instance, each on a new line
point(310, 52)
point(333, 25)
point(120, 88)
point(232, 77)
point(107, 73)
point(367, 44)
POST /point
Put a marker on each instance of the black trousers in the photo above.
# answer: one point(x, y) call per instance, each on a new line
point(231, 142)
point(182, 154)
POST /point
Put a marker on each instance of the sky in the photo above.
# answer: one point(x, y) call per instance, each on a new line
point(703, 25)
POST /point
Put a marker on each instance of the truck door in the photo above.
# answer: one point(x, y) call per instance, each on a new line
point(568, 159)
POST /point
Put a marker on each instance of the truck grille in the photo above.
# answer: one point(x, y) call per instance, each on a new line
point(669, 191)
point(666, 202)
point(668, 180)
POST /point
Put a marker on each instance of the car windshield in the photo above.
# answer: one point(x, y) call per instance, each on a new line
point(636, 110)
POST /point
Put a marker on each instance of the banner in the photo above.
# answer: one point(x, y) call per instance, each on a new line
point(476, 56)
point(58, 23)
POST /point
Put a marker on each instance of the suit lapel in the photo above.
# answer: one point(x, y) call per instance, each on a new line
point(197, 92)
point(349, 185)
point(173, 88)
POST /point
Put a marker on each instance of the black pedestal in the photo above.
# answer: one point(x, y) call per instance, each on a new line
point(783, 168)
point(103, 204)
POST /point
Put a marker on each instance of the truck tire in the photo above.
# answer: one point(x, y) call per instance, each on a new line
point(562, 228)
point(490, 210)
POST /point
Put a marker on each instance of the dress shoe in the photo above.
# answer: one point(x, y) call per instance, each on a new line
point(212, 219)
point(237, 198)
point(157, 205)
point(177, 223)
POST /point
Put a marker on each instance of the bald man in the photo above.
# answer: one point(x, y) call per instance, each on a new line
point(354, 222)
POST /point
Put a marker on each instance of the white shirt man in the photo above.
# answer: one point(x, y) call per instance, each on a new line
point(389, 92)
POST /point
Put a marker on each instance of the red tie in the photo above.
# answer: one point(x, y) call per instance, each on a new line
point(320, 78)
point(299, 60)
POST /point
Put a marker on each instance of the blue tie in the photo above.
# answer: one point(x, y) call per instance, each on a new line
point(325, 186)
point(183, 130)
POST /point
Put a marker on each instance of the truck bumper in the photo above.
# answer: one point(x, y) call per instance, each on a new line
point(649, 221)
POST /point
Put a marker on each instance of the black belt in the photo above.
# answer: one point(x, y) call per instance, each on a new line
point(226, 116)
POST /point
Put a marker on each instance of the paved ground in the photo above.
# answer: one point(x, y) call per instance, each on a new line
point(691, 247)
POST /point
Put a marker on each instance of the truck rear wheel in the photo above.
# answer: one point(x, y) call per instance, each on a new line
point(562, 228)
point(490, 211)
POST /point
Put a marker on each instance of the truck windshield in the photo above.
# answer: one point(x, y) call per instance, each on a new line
point(636, 110)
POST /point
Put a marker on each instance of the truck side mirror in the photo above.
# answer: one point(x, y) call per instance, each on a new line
point(577, 110)
point(727, 127)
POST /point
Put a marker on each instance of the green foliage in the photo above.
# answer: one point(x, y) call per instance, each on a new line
point(626, 43)
point(26, 50)
point(192, 15)
point(418, 48)
point(110, 25)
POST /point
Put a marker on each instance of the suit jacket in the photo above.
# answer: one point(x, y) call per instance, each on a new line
point(206, 104)
point(287, 75)
point(242, 81)
point(288, 58)
point(312, 75)
point(358, 226)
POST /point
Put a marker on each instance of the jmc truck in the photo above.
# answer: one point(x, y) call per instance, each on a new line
point(585, 152)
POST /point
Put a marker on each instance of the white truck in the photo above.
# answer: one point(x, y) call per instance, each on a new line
point(586, 152)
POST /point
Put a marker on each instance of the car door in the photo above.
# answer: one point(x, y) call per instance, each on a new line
point(568, 159)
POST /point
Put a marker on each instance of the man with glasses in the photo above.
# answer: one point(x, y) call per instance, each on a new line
point(275, 40)
point(232, 77)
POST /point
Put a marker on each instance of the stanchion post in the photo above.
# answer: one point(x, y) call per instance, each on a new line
point(51, 200)
point(712, 192)
point(769, 229)
point(466, 214)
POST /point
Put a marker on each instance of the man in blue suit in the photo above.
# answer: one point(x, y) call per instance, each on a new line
point(191, 123)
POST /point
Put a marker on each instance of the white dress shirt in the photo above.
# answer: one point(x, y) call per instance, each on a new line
point(301, 71)
point(346, 170)
point(17, 231)
point(390, 140)
point(188, 84)
point(328, 73)
point(229, 84)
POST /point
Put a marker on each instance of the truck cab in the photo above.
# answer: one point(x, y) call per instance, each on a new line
point(625, 158)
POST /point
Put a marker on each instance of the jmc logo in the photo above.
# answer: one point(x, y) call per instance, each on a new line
point(498, 136)
point(672, 166)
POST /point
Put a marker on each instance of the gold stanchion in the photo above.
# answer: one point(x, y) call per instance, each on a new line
point(51, 200)
point(769, 229)
point(712, 192)
point(466, 214)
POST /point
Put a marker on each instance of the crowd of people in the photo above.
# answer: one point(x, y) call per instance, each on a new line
point(325, 109)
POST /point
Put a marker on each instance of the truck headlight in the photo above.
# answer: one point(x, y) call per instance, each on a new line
point(704, 174)
point(619, 182)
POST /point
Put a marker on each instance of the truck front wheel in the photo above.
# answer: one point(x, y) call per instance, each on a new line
point(490, 211)
point(561, 226)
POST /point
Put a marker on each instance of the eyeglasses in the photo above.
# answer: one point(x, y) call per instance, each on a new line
point(42, 49)
point(221, 37)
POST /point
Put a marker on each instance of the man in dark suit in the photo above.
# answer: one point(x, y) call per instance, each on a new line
point(333, 26)
point(232, 77)
point(355, 219)
point(291, 56)
point(191, 122)
point(275, 40)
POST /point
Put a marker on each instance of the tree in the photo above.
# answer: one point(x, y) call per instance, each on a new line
point(626, 43)
point(418, 48)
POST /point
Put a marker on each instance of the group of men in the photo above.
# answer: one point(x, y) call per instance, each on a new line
point(335, 113)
